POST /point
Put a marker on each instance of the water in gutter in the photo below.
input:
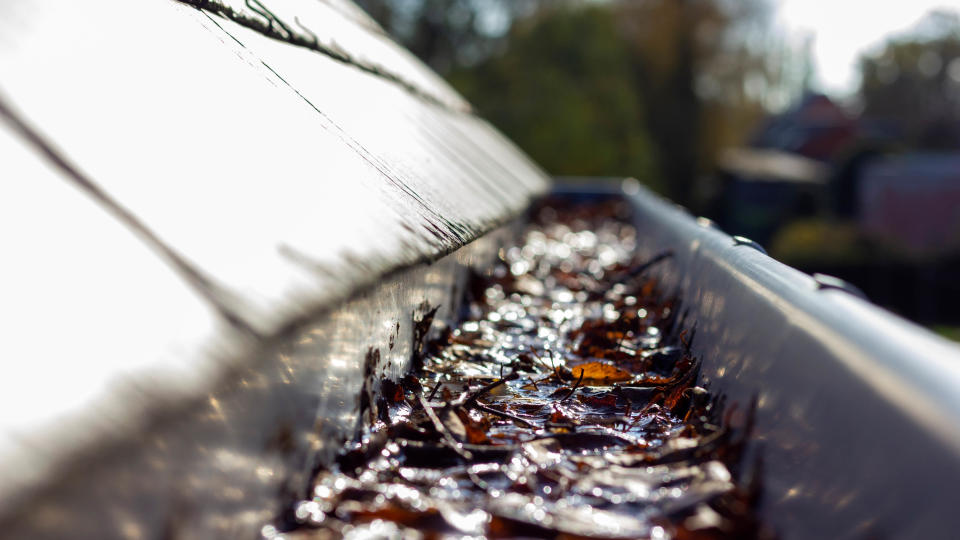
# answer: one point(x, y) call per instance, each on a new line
point(565, 403)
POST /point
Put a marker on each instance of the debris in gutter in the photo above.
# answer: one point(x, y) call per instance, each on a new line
point(566, 405)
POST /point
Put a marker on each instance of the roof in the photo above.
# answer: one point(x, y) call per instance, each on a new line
point(760, 165)
point(183, 184)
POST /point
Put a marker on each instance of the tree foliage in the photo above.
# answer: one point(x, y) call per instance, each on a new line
point(448, 33)
point(645, 88)
point(914, 83)
point(562, 91)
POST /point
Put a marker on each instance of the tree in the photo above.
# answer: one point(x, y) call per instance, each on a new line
point(448, 33)
point(648, 88)
point(561, 89)
point(704, 76)
point(914, 83)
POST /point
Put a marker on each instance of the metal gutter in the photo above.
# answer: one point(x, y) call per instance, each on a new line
point(342, 34)
point(186, 201)
point(858, 411)
point(326, 208)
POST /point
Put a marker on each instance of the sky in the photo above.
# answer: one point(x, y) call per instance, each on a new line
point(844, 29)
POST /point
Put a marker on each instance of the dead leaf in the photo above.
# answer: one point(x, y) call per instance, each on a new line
point(600, 373)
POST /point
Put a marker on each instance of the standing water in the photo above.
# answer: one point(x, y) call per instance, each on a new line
point(564, 404)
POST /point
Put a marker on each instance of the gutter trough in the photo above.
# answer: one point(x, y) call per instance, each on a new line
point(858, 411)
point(856, 418)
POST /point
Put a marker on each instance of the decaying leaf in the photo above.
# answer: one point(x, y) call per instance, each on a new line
point(557, 411)
point(600, 373)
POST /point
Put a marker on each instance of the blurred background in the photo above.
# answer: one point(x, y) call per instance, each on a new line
point(827, 131)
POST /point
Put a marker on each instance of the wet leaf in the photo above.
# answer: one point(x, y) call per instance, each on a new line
point(605, 401)
point(556, 410)
point(600, 373)
point(474, 431)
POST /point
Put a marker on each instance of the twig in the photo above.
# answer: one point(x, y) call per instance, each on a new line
point(434, 391)
point(503, 414)
point(550, 365)
point(444, 432)
point(658, 397)
point(476, 395)
point(556, 372)
point(575, 386)
point(477, 481)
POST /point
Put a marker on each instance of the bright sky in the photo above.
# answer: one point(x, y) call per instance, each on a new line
point(843, 29)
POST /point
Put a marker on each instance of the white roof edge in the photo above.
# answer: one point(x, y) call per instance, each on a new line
point(284, 179)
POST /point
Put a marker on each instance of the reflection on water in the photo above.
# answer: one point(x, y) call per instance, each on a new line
point(225, 465)
point(564, 404)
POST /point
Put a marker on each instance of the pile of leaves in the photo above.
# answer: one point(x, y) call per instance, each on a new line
point(565, 404)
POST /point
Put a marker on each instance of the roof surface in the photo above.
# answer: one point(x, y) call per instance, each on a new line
point(182, 184)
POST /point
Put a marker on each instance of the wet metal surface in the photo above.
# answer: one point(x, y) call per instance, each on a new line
point(342, 31)
point(858, 417)
point(256, 148)
point(181, 193)
point(92, 325)
point(223, 465)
